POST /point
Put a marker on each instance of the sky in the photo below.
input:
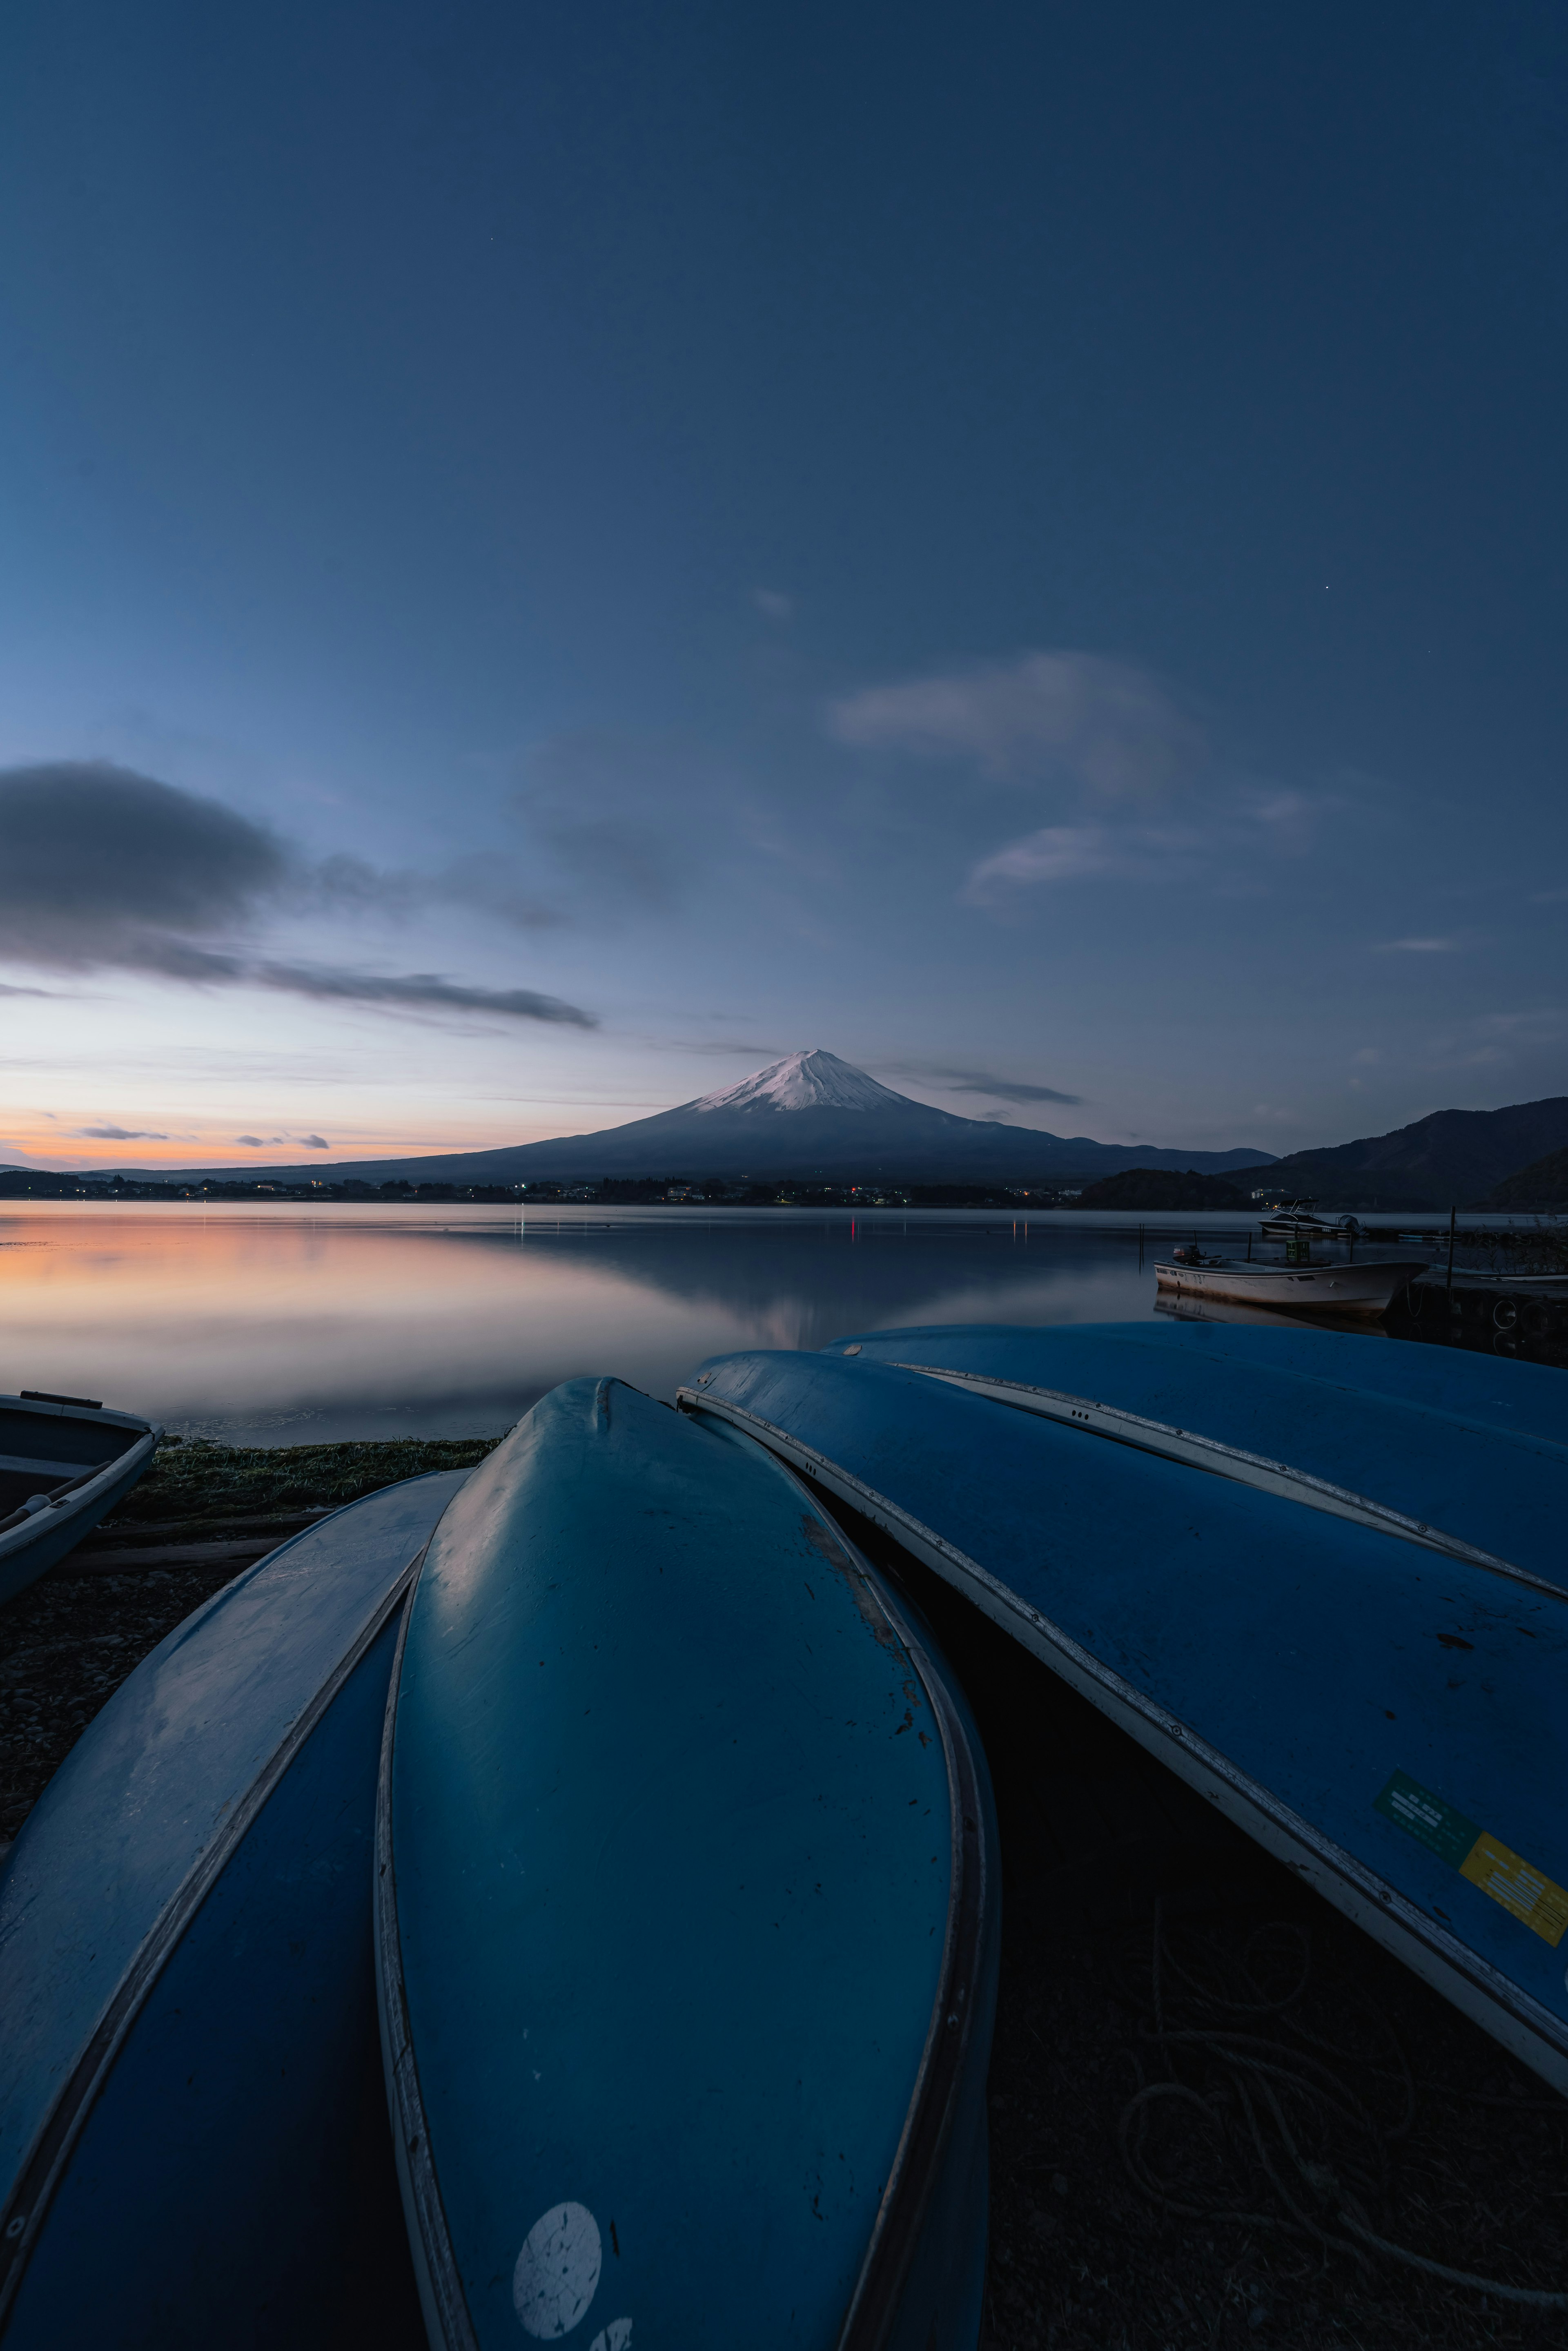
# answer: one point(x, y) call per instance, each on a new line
point(551, 555)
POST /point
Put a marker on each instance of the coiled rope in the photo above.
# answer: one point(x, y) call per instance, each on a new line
point(1276, 2105)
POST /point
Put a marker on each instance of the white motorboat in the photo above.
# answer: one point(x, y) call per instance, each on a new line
point(1301, 1289)
point(1294, 1220)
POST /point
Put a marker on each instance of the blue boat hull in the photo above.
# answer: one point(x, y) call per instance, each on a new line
point(687, 1911)
point(1467, 1446)
point(1384, 1717)
point(193, 2123)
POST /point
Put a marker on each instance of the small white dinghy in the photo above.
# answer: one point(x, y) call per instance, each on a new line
point(1301, 1289)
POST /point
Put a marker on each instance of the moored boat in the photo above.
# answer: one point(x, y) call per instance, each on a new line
point(1335, 1288)
point(1294, 1220)
point(192, 2131)
point(687, 1911)
point(64, 1462)
point(1372, 1695)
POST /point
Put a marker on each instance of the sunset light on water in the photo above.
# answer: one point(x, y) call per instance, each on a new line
point(281, 1326)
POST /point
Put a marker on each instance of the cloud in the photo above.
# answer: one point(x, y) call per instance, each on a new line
point(978, 1082)
point(774, 602)
point(484, 880)
point(104, 867)
point(309, 1142)
point(97, 857)
point(1102, 724)
point(120, 1134)
point(1417, 947)
point(418, 991)
point(1076, 853)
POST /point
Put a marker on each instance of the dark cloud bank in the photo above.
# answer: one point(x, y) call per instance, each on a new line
point(103, 868)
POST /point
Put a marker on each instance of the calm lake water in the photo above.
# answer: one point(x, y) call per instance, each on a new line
point(291, 1325)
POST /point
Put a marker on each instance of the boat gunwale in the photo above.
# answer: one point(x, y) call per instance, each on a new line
point(938, 2078)
point(100, 1415)
point(1512, 2016)
point(442, 2301)
point(77, 1494)
point(44, 2166)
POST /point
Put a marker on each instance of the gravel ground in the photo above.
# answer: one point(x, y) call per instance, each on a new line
point(68, 1642)
point(1449, 2148)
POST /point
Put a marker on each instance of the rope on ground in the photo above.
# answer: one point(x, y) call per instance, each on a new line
point(1279, 2110)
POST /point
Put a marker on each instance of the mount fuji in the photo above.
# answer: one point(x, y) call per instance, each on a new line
point(810, 1114)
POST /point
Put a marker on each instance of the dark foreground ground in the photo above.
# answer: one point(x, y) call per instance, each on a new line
point(1199, 2069)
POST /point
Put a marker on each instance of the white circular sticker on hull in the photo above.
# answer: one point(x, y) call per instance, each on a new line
point(557, 2272)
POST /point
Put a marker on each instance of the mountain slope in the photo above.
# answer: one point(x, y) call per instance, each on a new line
point(808, 1115)
point(1453, 1157)
point(1542, 1184)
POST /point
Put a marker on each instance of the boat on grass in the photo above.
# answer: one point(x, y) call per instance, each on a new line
point(1342, 1288)
point(1318, 1579)
point(193, 2145)
point(64, 1462)
point(687, 1925)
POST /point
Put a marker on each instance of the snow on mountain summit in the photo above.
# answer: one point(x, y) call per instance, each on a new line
point(812, 1080)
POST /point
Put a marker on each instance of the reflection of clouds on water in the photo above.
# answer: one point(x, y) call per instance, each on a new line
point(283, 1326)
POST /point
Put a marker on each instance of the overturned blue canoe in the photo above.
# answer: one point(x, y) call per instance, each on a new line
point(189, 2078)
point(687, 1911)
point(1377, 1703)
point(64, 1462)
point(1465, 1452)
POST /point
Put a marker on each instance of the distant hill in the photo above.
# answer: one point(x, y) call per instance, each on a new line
point(1161, 1187)
point(1454, 1157)
point(1542, 1184)
point(809, 1114)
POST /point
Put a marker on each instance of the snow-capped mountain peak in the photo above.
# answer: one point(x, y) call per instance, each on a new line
point(812, 1081)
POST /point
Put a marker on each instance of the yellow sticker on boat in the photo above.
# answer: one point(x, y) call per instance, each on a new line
point(1484, 1859)
point(1512, 1881)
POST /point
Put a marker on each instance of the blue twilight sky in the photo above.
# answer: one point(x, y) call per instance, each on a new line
point(550, 554)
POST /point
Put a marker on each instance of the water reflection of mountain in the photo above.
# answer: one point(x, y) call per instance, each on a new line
point(282, 1326)
point(798, 1285)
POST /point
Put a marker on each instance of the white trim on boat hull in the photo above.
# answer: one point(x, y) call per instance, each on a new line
point(1521, 2024)
point(1304, 1289)
point(1227, 1461)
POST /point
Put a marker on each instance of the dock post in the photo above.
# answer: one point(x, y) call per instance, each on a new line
point(1449, 1284)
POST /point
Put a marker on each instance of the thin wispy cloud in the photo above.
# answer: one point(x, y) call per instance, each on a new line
point(120, 1134)
point(1103, 724)
point(301, 1142)
point(1078, 853)
point(1417, 947)
point(966, 1080)
point(107, 869)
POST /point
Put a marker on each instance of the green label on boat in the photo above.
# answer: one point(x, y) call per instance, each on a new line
point(1410, 1806)
point(1523, 1890)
